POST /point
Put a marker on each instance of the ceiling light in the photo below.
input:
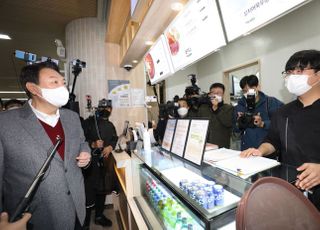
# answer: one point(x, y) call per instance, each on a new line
point(177, 6)
point(149, 43)
point(5, 36)
point(135, 61)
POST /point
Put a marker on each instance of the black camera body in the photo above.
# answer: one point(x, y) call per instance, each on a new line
point(247, 119)
point(168, 109)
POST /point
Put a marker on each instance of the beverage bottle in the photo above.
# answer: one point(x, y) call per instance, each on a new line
point(184, 223)
point(178, 224)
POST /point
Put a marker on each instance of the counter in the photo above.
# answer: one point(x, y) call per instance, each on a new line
point(152, 185)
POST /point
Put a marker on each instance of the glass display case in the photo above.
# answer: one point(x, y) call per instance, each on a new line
point(174, 194)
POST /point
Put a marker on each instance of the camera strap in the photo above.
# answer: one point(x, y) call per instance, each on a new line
point(96, 126)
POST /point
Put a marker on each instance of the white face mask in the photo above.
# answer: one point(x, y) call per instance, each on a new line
point(57, 97)
point(251, 91)
point(182, 112)
point(219, 98)
point(297, 84)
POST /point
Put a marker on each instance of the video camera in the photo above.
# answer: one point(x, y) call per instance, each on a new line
point(192, 93)
point(247, 119)
point(169, 109)
point(79, 63)
point(104, 103)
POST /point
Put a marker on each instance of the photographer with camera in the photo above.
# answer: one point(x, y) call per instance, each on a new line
point(100, 178)
point(220, 116)
point(253, 113)
point(194, 99)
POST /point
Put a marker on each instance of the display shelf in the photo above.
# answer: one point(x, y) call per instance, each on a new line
point(169, 210)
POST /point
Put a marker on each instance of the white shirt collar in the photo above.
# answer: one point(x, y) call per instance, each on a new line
point(51, 120)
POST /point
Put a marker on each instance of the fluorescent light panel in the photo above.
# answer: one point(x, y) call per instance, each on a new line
point(5, 36)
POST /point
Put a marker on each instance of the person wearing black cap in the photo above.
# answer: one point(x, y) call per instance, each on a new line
point(102, 137)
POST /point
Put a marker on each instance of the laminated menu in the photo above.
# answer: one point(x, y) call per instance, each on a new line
point(196, 141)
point(168, 134)
point(180, 136)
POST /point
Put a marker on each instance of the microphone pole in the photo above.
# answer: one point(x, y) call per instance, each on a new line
point(26, 200)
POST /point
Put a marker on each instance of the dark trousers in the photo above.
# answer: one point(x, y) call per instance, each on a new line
point(99, 207)
point(77, 225)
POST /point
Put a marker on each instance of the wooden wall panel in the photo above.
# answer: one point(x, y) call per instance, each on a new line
point(137, 80)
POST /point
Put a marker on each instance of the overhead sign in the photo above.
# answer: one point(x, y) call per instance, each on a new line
point(244, 16)
point(194, 33)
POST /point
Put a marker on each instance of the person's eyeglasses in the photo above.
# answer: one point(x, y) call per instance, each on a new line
point(286, 74)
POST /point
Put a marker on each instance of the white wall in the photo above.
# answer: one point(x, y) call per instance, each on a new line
point(273, 45)
point(85, 41)
point(177, 83)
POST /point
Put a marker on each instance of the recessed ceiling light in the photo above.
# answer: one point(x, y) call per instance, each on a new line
point(5, 36)
point(149, 43)
point(135, 61)
point(177, 6)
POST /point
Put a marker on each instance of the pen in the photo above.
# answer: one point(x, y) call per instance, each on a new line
point(239, 172)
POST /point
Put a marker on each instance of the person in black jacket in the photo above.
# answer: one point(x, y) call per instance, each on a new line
point(295, 127)
point(99, 178)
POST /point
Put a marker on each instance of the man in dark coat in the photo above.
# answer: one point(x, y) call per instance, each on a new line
point(219, 115)
point(99, 177)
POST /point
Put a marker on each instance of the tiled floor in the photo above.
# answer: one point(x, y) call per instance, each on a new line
point(110, 214)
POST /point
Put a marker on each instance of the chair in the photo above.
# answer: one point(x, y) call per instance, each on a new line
point(272, 203)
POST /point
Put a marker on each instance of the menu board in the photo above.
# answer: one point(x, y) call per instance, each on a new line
point(157, 61)
point(244, 16)
point(196, 141)
point(194, 33)
point(180, 136)
point(168, 134)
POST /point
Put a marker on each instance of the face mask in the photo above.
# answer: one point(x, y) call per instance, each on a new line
point(182, 112)
point(105, 113)
point(219, 98)
point(251, 91)
point(57, 97)
point(297, 84)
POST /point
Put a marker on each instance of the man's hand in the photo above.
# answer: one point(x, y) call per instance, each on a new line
point(251, 152)
point(106, 151)
point(97, 144)
point(83, 159)
point(310, 176)
point(240, 114)
point(257, 121)
point(18, 225)
point(215, 103)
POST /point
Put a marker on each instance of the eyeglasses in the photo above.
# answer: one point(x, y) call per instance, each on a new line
point(299, 71)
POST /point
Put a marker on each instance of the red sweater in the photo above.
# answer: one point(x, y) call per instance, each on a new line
point(53, 132)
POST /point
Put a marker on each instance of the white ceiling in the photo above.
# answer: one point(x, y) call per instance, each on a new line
point(33, 26)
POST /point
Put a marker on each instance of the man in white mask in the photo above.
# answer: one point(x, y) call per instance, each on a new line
point(219, 115)
point(295, 128)
point(26, 135)
point(183, 108)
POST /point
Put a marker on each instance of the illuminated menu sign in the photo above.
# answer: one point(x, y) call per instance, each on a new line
point(244, 16)
point(194, 33)
point(157, 62)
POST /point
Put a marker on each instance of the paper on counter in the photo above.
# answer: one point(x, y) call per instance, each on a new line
point(215, 155)
point(210, 146)
point(246, 167)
